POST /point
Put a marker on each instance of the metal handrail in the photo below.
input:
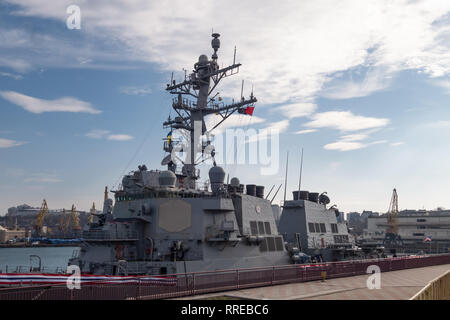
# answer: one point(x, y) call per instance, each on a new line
point(437, 289)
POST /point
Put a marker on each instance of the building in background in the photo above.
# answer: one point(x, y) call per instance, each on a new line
point(357, 222)
point(414, 226)
point(14, 235)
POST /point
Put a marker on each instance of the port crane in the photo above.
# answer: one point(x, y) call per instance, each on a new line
point(392, 237)
point(39, 222)
point(61, 225)
point(93, 211)
point(75, 219)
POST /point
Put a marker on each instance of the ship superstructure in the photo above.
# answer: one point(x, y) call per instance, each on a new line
point(162, 222)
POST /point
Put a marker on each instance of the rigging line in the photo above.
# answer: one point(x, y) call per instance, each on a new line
point(149, 131)
point(232, 144)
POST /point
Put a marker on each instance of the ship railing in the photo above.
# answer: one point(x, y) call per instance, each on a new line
point(31, 269)
point(109, 235)
point(189, 284)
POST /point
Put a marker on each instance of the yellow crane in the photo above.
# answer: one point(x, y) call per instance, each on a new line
point(61, 225)
point(93, 211)
point(75, 219)
point(38, 223)
point(392, 237)
point(67, 223)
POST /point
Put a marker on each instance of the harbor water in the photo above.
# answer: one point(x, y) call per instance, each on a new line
point(53, 259)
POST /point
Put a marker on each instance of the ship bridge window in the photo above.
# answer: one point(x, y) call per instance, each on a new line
point(271, 243)
point(317, 227)
point(334, 228)
point(263, 245)
point(261, 227)
point(253, 228)
point(421, 220)
point(418, 234)
point(311, 227)
point(267, 227)
point(279, 243)
point(322, 228)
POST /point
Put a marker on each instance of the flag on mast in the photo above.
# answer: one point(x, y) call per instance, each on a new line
point(249, 110)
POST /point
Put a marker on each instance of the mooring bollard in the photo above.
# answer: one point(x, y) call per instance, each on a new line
point(323, 275)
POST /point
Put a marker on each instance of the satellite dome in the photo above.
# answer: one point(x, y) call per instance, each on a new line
point(216, 175)
point(235, 182)
point(203, 59)
point(167, 179)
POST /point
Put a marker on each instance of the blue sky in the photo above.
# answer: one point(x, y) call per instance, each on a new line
point(363, 87)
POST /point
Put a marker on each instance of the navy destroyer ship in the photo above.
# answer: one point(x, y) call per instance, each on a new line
point(163, 222)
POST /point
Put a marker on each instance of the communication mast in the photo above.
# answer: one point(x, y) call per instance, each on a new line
point(200, 84)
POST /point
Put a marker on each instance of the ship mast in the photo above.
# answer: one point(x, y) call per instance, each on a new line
point(200, 85)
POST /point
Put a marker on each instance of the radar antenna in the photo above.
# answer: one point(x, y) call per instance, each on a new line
point(200, 84)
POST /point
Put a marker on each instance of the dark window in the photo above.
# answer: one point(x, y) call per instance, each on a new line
point(267, 226)
point(421, 227)
point(317, 227)
point(279, 243)
point(311, 227)
point(261, 227)
point(271, 243)
point(334, 228)
point(341, 239)
point(263, 245)
point(421, 220)
point(418, 234)
point(253, 228)
point(322, 228)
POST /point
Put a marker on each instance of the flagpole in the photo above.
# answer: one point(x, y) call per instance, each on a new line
point(285, 179)
point(300, 179)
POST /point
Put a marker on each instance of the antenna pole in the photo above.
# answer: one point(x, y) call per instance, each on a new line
point(242, 89)
point(285, 178)
point(234, 57)
point(301, 168)
point(270, 191)
point(276, 193)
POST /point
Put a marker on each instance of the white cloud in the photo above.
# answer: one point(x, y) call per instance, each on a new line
point(443, 84)
point(272, 128)
point(97, 134)
point(241, 121)
point(438, 124)
point(19, 65)
point(120, 137)
point(43, 178)
point(352, 142)
point(137, 91)
point(11, 75)
point(36, 105)
point(345, 145)
point(7, 143)
point(297, 110)
point(355, 137)
point(396, 144)
point(345, 121)
point(105, 134)
point(375, 80)
point(289, 52)
point(305, 131)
